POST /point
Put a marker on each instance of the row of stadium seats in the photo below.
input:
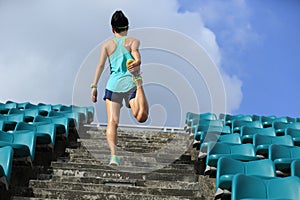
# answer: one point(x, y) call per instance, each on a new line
point(250, 154)
point(25, 127)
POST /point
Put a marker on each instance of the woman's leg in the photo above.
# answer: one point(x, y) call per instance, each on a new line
point(113, 114)
point(139, 104)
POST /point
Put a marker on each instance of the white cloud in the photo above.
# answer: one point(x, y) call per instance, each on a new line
point(43, 43)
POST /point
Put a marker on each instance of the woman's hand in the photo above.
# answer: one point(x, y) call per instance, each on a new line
point(94, 95)
point(134, 66)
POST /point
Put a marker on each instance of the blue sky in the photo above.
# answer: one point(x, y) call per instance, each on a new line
point(268, 64)
point(254, 43)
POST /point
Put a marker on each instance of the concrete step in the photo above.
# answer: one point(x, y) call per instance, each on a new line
point(154, 165)
point(93, 163)
point(123, 174)
point(137, 182)
point(112, 188)
point(84, 195)
point(30, 198)
point(175, 169)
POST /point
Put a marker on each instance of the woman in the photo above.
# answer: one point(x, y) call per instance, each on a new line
point(125, 81)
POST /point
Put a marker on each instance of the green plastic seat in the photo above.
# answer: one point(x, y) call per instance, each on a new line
point(196, 125)
point(228, 167)
point(247, 133)
point(22, 106)
point(283, 156)
point(262, 142)
point(73, 118)
point(81, 111)
point(295, 168)
point(295, 134)
point(268, 121)
point(243, 152)
point(237, 125)
point(23, 143)
point(91, 113)
point(6, 160)
point(29, 114)
point(280, 127)
point(56, 107)
point(61, 124)
point(228, 119)
point(10, 121)
point(5, 107)
point(45, 133)
point(212, 137)
point(204, 130)
point(208, 116)
point(251, 187)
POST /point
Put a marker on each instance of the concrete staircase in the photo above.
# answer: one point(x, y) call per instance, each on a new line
point(154, 165)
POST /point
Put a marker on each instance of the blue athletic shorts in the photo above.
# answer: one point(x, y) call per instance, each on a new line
point(119, 96)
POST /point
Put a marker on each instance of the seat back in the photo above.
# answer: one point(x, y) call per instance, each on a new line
point(6, 160)
point(6, 137)
point(1, 124)
point(227, 138)
point(283, 188)
point(25, 126)
point(248, 187)
point(237, 125)
point(282, 151)
point(295, 168)
point(247, 130)
point(280, 125)
point(242, 149)
point(264, 168)
point(295, 133)
point(267, 140)
point(229, 166)
point(230, 149)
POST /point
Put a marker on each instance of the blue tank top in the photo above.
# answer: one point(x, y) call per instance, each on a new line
point(120, 79)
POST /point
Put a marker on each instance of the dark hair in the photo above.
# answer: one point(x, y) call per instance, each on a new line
point(119, 21)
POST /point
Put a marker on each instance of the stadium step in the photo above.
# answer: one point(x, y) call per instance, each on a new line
point(154, 165)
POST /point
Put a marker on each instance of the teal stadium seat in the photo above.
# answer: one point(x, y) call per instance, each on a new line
point(243, 152)
point(283, 156)
point(295, 134)
point(4, 108)
point(11, 120)
point(208, 116)
point(6, 160)
point(295, 168)
point(29, 114)
point(192, 119)
point(56, 107)
point(204, 130)
point(212, 137)
point(22, 106)
point(280, 127)
point(61, 124)
point(247, 133)
point(251, 187)
point(44, 109)
point(268, 121)
point(262, 142)
point(228, 120)
point(196, 125)
point(256, 118)
point(237, 125)
point(73, 118)
point(81, 111)
point(23, 144)
point(228, 167)
point(45, 133)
